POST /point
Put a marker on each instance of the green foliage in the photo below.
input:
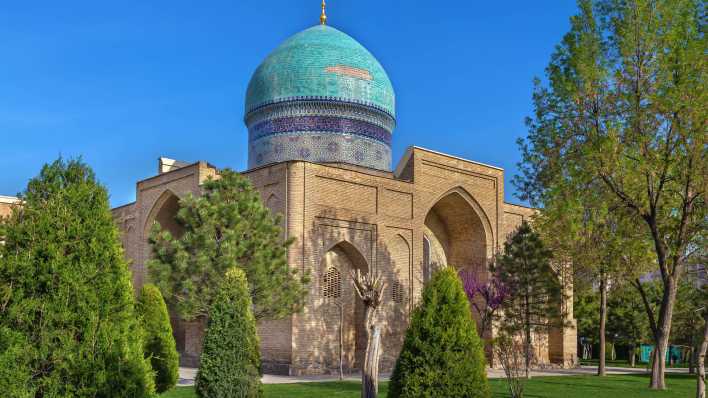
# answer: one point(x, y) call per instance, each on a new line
point(621, 118)
point(586, 311)
point(534, 302)
point(226, 226)
point(442, 355)
point(230, 362)
point(525, 269)
point(67, 316)
point(626, 319)
point(159, 342)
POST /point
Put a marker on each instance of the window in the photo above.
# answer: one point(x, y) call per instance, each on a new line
point(332, 284)
point(426, 259)
point(397, 292)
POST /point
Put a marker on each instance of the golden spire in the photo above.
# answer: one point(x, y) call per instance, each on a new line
point(323, 17)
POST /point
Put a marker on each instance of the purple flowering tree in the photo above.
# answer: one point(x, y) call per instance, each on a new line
point(485, 297)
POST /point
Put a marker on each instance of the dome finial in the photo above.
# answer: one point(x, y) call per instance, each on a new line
point(323, 17)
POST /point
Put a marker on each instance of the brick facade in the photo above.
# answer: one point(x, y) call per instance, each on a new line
point(346, 217)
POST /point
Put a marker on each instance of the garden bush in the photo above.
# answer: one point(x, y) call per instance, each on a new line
point(230, 361)
point(158, 343)
point(442, 355)
point(67, 315)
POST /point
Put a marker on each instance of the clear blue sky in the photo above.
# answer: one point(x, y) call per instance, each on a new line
point(124, 83)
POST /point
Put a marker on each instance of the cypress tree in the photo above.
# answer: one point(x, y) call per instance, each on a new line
point(230, 364)
point(159, 343)
point(442, 355)
point(67, 302)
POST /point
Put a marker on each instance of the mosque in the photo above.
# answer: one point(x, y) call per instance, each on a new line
point(320, 112)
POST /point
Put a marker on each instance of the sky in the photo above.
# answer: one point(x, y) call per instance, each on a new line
point(123, 83)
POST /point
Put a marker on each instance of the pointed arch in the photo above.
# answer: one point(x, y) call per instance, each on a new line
point(274, 204)
point(164, 212)
point(337, 261)
point(458, 231)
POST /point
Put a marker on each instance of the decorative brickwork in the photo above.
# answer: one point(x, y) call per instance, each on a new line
point(348, 217)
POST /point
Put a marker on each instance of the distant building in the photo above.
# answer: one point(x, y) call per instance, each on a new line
point(6, 205)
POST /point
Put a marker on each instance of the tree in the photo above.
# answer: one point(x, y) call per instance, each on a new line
point(442, 355)
point(627, 320)
point(67, 314)
point(701, 375)
point(624, 105)
point(369, 288)
point(586, 311)
point(159, 343)
point(486, 298)
point(227, 226)
point(230, 365)
point(525, 269)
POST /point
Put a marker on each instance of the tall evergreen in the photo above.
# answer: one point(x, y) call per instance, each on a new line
point(227, 226)
point(66, 313)
point(159, 342)
point(442, 355)
point(230, 364)
point(525, 269)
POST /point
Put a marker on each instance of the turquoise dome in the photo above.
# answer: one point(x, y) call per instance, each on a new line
point(320, 97)
point(321, 63)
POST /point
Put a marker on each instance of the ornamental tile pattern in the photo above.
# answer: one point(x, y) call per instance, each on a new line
point(320, 96)
point(320, 147)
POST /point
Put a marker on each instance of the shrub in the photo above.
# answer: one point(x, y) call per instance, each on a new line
point(442, 355)
point(66, 294)
point(230, 362)
point(159, 343)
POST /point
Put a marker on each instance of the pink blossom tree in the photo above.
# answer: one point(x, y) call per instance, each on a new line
point(485, 297)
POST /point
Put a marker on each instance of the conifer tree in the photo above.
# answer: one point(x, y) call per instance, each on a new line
point(159, 342)
point(525, 270)
point(66, 301)
point(442, 354)
point(230, 362)
point(227, 226)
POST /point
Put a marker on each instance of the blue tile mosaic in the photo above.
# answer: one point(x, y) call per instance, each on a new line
point(322, 97)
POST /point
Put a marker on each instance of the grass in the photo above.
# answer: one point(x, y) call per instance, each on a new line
point(621, 363)
point(624, 386)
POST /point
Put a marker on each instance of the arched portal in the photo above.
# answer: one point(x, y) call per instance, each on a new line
point(456, 234)
point(337, 288)
point(164, 212)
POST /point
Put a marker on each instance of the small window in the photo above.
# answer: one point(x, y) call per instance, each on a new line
point(397, 292)
point(427, 271)
point(332, 284)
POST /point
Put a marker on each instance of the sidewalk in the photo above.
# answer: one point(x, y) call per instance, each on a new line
point(187, 375)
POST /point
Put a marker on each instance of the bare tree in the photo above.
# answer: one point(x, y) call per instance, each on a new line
point(370, 290)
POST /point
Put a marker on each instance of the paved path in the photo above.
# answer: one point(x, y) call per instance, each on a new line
point(187, 375)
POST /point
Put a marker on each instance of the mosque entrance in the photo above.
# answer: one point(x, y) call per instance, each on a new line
point(455, 236)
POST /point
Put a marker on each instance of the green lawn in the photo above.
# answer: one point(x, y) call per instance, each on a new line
point(620, 363)
point(626, 386)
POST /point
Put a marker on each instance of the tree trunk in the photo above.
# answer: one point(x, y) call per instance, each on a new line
point(341, 340)
point(661, 336)
point(701, 377)
point(527, 337)
point(370, 373)
point(632, 355)
point(603, 322)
